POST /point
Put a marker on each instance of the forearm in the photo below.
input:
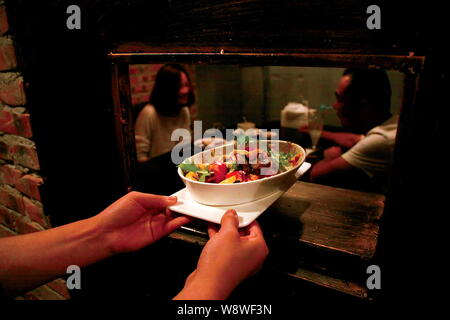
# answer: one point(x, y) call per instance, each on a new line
point(328, 135)
point(343, 139)
point(27, 261)
point(331, 168)
point(203, 287)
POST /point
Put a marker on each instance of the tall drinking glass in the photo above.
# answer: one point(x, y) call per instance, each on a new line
point(315, 126)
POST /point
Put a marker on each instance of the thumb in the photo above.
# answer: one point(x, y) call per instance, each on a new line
point(229, 221)
point(152, 201)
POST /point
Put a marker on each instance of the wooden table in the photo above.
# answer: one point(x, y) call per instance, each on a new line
point(318, 233)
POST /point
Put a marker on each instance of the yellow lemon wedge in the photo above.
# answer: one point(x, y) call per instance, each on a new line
point(192, 175)
point(231, 179)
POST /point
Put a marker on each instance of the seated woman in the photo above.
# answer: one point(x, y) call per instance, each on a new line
point(167, 110)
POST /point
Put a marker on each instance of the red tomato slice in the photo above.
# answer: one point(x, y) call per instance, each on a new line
point(240, 175)
point(220, 172)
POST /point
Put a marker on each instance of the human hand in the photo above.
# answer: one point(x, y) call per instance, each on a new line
point(137, 220)
point(230, 256)
point(332, 153)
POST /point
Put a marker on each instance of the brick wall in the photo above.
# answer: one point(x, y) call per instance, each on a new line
point(21, 209)
point(142, 79)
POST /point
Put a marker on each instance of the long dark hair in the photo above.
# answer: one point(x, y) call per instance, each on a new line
point(164, 96)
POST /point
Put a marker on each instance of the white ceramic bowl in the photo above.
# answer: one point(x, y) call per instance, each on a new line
point(209, 143)
point(230, 194)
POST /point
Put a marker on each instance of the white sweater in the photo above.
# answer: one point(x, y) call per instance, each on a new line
point(153, 131)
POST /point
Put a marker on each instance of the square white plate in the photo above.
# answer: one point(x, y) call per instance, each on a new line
point(247, 212)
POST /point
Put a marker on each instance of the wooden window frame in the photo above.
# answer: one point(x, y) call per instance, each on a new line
point(124, 55)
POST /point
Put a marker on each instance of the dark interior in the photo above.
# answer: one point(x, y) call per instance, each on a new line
point(73, 117)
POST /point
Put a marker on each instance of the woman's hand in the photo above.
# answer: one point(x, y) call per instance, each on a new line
point(227, 259)
point(130, 223)
point(137, 220)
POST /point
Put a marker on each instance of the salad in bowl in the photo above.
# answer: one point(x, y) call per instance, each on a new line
point(233, 174)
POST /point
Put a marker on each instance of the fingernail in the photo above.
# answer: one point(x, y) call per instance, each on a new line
point(232, 211)
point(172, 198)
